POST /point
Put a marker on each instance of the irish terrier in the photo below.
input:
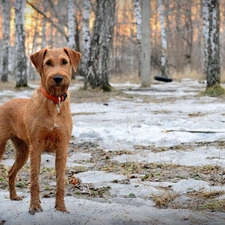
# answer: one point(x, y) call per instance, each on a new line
point(41, 123)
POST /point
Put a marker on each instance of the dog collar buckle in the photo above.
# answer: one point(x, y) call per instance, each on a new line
point(63, 97)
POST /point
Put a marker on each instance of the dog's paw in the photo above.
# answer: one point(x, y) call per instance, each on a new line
point(35, 208)
point(16, 198)
point(61, 208)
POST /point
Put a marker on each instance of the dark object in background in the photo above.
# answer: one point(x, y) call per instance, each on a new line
point(163, 78)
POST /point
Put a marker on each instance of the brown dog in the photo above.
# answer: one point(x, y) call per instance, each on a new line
point(41, 123)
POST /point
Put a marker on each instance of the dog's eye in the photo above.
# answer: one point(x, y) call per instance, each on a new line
point(64, 61)
point(48, 63)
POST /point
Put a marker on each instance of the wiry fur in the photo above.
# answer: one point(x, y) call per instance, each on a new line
point(34, 125)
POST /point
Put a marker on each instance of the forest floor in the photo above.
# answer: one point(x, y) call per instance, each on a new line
point(136, 156)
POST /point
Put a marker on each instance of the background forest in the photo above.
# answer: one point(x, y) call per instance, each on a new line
point(46, 24)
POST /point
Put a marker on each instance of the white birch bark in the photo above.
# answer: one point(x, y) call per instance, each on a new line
point(21, 66)
point(205, 32)
point(213, 70)
point(145, 44)
point(6, 39)
point(86, 37)
point(164, 68)
point(137, 11)
point(71, 25)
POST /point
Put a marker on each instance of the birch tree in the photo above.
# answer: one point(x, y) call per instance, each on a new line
point(145, 44)
point(21, 66)
point(205, 32)
point(71, 25)
point(137, 11)
point(164, 67)
point(71, 28)
point(213, 67)
point(98, 65)
point(6, 39)
point(86, 38)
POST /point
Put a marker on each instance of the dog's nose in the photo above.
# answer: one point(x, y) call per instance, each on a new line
point(58, 79)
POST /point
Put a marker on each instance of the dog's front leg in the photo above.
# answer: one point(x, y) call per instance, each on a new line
point(35, 161)
point(60, 165)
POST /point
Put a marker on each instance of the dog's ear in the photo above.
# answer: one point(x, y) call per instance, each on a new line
point(74, 57)
point(37, 59)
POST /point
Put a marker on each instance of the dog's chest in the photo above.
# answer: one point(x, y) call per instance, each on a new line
point(57, 128)
point(54, 136)
point(52, 133)
point(54, 126)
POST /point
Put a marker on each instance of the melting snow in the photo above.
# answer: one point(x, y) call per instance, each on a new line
point(122, 125)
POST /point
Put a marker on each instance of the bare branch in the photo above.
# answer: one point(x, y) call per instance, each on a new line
point(56, 14)
point(196, 131)
point(49, 20)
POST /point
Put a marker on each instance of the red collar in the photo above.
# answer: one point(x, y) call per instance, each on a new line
point(55, 99)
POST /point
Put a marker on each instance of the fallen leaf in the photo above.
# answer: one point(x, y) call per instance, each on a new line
point(74, 181)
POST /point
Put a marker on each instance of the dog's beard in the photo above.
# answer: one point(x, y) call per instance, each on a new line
point(57, 90)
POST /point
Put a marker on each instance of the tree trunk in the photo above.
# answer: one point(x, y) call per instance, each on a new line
point(77, 35)
point(71, 28)
point(21, 70)
point(98, 65)
point(137, 10)
point(145, 44)
point(205, 31)
point(189, 31)
point(213, 70)
point(91, 75)
point(106, 45)
point(164, 67)
point(6, 39)
point(71, 25)
point(86, 38)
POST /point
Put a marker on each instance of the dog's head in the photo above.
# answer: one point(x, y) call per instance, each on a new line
point(55, 68)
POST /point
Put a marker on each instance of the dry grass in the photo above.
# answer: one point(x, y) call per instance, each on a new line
point(175, 75)
point(132, 78)
point(163, 200)
point(214, 205)
point(207, 200)
point(191, 74)
point(96, 95)
point(216, 90)
point(207, 194)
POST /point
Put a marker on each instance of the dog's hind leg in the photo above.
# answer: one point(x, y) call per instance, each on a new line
point(22, 154)
point(2, 148)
